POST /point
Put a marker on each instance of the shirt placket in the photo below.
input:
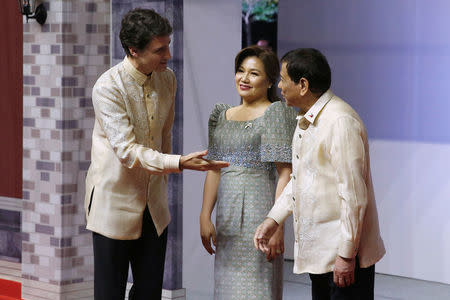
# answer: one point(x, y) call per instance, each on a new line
point(151, 109)
point(296, 161)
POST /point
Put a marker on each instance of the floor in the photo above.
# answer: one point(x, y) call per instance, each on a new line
point(297, 287)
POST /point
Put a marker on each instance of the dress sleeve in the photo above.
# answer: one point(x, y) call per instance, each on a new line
point(213, 145)
point(276, 140)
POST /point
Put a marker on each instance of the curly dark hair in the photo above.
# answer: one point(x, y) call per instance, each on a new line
point(271, 66)
point(140, 26)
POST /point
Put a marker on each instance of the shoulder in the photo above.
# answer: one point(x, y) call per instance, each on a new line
point(337, 111)
point(216, 112)
point(166, 77)
point(279, 109)
point(110, 81)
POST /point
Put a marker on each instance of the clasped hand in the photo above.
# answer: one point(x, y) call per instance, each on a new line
point(269, 239)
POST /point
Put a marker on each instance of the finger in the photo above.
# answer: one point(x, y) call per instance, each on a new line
point(214, 238)
point(341, 281)
point(255, 240)
point(262, 245)
point(206, 245)
point(269, 255)
point(335, 278)
point(200, 154)
point(346, 281)
point(352, 278)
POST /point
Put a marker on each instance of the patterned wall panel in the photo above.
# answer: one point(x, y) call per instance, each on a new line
point(62, 60)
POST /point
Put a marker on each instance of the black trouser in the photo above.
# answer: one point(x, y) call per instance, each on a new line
point(324, 288)
point(146, 255)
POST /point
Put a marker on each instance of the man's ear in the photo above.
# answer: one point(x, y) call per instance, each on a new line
point(133, 51)
point(303, 85)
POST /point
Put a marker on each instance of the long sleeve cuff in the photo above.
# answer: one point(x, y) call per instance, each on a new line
point(278, 213)
point(347, 249)
point(172, 163)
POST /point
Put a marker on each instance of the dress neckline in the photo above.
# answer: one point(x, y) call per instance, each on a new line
point(246, 121)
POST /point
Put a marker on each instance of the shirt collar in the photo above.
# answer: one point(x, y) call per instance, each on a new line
point(133, 72)
point(317, 107)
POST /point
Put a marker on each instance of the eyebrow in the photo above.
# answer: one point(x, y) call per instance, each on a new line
point(253, 69)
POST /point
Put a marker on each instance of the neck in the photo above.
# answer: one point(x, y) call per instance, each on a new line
point(135, 62)
point(254, 103)
point(309, 102)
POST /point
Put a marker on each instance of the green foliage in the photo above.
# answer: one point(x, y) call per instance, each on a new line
point(261, 10)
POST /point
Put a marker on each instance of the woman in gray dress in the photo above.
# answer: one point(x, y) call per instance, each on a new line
point(255, 137)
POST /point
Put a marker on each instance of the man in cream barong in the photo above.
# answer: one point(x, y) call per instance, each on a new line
point(330, 194)
point(126, 186)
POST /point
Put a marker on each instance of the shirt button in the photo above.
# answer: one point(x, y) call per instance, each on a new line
point(294, 177)
point(152, 117)
point(296, 240)
point(148, 95)
point(152, 138)
point(297, 156)
point(293, 198)
point(299, 136)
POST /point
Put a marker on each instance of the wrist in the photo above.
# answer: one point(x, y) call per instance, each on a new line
point(181, 163)
point(347, 259)
point(205, 216)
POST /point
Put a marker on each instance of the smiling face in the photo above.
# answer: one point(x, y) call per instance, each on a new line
point(251, 80)
point(154, 57)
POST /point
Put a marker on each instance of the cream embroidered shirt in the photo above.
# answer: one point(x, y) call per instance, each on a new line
point(330, 192)
point(130, 158)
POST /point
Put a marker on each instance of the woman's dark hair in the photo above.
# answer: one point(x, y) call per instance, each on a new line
point(270, 62)
point(140, 26)
point(310, 64)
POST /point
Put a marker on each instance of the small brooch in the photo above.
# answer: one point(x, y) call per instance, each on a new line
point(248, 125)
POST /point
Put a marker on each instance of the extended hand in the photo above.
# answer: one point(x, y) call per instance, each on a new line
point(195, 161)
point(344, 271)
point(208, 233)
point(263, 233)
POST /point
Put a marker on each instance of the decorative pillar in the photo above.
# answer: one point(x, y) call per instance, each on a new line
point(62, 60)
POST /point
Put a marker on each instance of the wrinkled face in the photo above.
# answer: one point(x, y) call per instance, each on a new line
point(289, 89)
point(251, 79)
point(154, 57)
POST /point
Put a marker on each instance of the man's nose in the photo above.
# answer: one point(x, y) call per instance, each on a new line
point(279, 85)
point(168, 55)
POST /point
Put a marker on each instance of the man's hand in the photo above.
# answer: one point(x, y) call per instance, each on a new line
point(263, 234)
point(195, 161)
point(344, 271)
point(276, 244)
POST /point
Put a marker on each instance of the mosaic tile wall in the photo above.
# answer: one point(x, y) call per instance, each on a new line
point(62, 60)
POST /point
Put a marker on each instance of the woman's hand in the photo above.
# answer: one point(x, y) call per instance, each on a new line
point(276, 244)
point(208, 233)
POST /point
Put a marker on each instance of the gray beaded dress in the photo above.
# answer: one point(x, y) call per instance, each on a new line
point(245, 195)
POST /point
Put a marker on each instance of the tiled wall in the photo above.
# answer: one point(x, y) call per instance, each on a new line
point(62, 60)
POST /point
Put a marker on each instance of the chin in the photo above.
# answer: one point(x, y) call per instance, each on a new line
point(161, 68)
